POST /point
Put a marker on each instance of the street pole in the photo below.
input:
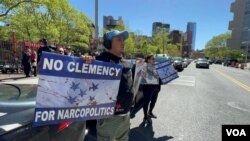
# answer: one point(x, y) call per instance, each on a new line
point(96, 23)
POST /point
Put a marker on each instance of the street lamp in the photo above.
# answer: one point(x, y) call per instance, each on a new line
point(96, 19)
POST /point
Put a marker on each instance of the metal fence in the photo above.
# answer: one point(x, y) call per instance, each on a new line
point(11, 53)
point(8, 53)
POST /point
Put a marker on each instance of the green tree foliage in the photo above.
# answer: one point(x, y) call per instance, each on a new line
point(161, 41)
point(55, 20)
point(216, 48)
point(173, 50)
point(130, 46)
point(9, 6)
point(218, 41)
point(120, 26)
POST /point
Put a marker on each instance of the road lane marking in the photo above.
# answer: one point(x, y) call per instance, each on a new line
point(242, 85)
point(237, 106)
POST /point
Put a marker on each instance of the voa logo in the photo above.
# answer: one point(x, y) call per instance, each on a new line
point(236, 132)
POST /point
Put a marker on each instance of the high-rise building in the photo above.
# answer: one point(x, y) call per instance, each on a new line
point(110, 23)
point(240, 26)
point(189, 39)
point(159, 26)
point(179, 38)
point(191, 34)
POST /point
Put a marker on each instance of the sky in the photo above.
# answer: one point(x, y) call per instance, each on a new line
point(211, 16)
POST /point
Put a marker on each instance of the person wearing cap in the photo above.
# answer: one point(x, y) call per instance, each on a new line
point(118, 126)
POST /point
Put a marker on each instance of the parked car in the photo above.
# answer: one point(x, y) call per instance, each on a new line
point(210, 61)
point(229, 62)
point(1, 67)
point(186, 62)
point(202, 63)
point(17, 103)
point(178, 63)
point(218, 62)
point(162, 58)
point(6, 67)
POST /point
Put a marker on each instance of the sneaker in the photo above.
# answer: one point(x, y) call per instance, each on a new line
point(147, 121)
point(132, 116)
point(152, 115)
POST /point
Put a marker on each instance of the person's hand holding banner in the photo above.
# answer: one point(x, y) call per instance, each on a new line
point(88, 59)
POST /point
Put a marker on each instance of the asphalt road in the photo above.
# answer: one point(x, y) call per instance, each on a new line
point(196, 105)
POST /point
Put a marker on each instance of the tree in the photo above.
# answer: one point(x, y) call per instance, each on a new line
point(8, 5)
point(55, 20)
point(216, 47)
point(130, 46)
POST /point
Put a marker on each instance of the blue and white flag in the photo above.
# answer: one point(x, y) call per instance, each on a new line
point(166, 71)
point(71, 90)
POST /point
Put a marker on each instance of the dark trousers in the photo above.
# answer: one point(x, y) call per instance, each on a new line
point(34, 70)
point(148, 91)
point(27, 69)
point(154, 98)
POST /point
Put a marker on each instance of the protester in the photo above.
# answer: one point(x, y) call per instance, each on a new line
point(33, 60)
point(78, 54)
point(118, 126)
point(153, 100)
point(149, 90)
point(26, 62)
point(68, 51)
point(44, 47)
point(60, 50)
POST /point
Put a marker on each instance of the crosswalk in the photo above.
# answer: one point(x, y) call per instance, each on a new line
point(184, 81)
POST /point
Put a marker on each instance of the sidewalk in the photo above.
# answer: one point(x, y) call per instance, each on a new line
point(18, 78)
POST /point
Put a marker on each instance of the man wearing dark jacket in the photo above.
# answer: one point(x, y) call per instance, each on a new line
point(44, 47)
point(117, 127)
point(26, 62)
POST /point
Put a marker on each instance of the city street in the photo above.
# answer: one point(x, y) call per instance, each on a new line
point(193, 107)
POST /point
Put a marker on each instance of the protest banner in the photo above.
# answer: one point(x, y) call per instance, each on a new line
point(166, 71)
point(145, 74)
point(137, 76)
point(71, 90)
